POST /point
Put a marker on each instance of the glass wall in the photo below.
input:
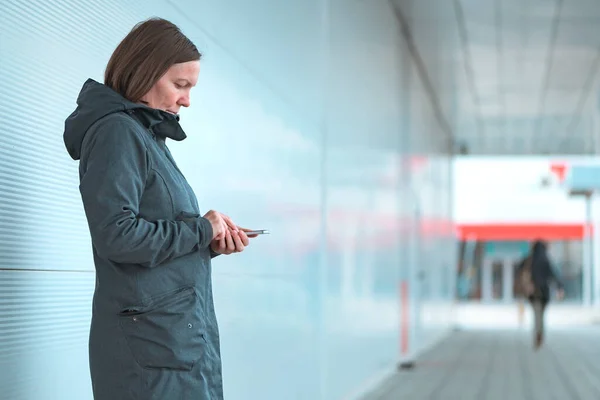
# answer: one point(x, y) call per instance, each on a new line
point(311, 120)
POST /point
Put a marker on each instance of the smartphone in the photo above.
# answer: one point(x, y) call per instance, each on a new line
point(259, 232)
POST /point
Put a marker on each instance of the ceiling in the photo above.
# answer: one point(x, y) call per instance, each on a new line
point(522, 75)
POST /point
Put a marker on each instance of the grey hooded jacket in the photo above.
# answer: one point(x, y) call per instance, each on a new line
point(154, 332)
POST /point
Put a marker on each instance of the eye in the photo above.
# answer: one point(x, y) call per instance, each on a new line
point(178, 86)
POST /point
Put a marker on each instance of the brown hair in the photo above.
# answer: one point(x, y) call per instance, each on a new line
point(145, 55)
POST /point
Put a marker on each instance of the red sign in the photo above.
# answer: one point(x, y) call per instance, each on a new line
point(559, 169)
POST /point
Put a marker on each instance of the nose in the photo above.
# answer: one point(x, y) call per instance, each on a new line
point(184, 101)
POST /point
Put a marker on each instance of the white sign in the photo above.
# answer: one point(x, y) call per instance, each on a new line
point(514, 190)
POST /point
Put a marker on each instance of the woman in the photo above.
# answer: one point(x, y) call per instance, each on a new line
point(535, 274)
point(154, 332)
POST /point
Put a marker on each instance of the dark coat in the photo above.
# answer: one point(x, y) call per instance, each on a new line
point(154, 332)
point(542, 272)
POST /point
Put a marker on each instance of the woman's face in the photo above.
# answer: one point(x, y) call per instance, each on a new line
point(172, 91)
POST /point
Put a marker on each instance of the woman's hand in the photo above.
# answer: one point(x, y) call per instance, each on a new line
point(228, 238)
point(234, 241)
point(221, 223)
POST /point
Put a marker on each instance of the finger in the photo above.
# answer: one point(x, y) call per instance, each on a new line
point(244, 238)
point(222, 244)
point(239, 246)
point(229, 222)
point(230, 243)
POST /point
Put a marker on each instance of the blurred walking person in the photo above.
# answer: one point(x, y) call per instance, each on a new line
point(535, 275)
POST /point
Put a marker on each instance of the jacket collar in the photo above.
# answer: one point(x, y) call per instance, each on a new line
point(160, 123)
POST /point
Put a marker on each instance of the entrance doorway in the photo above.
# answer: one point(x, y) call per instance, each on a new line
point(497, 279)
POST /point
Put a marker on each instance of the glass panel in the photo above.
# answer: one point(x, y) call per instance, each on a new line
point(497, 279)
point(566, 258)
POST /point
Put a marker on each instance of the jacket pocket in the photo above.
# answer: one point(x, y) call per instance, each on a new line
point(167, 331)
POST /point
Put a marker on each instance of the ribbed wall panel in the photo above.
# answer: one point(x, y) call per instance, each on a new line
point(44, 324)
point(42, 225)
point(47, 50)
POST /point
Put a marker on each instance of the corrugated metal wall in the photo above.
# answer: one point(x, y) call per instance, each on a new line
point(349, 169)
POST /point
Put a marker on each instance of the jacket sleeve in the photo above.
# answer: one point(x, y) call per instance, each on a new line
point(112, 184)
point(552, 275)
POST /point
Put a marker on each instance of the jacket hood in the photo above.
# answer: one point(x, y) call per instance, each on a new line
point(95, 101)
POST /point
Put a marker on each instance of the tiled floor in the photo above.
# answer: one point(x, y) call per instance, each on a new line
point(501, 365)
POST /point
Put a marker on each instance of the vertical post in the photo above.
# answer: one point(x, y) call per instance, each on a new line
point(486, 280)
point(507, 281)
point(408, 280)
point(595, 259)
point(588, 259)
point(595, 137)
point(406, 361)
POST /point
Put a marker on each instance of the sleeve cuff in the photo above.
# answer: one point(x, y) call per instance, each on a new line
point(201, 227)
point(213, 254)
